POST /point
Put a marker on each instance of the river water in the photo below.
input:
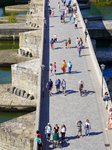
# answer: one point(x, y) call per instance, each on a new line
point(104, 9)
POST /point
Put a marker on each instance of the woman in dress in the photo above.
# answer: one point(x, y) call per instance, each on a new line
point(64, 66)
point(69, 42)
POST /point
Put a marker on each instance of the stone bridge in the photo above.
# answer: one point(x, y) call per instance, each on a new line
point(57, 109)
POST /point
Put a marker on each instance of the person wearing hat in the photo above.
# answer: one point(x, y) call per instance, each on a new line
point(81, 86)
point(48, 131)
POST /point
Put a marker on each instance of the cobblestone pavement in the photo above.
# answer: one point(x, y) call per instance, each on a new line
point(70, 108)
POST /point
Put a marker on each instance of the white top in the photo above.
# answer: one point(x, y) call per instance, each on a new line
point(81, 82)
point(76, 22)
point(51, 67)
point(63, 130)
point(77, 41)
point(55, 36)
point(74, 15)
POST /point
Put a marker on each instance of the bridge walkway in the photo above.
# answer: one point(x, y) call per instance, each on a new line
point(72, 107)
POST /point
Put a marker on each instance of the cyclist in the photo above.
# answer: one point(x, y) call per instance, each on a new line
point(81, 86)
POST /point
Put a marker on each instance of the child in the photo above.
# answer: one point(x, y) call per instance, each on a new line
point(70, 17)
point(66, 43)
point(59, 5)
point(54, 66)
point(51, 68)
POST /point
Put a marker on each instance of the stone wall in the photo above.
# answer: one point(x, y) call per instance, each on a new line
point(18, 134)
point(25, 76)
point(31, 42)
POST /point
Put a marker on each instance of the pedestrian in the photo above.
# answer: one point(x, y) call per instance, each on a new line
point(38, 133)
point(49, 85)
point(52, 12)
point(74, 16)
point(56, 129)
point(63, 84)
point(79, 50)
point(64, 1)
point(51, 69)
point(48, 131)
point(69, 66)
point(63, 131)
point(58, 5)
point(49, 11)
point(45, 23)
point(57, 84)
point(81, 86)
point(70, 17)
point(87, 127)
point(52, 43)
point(109, 113)
point(77, 42)
point(106, 98)
point(39, 141)
point(86, 35)
point(54, 67)
point(66, 43)
point(69, 42)
point(81, 42)
point(48, 4)
point(79, 127)
point(61, 18)
point(66, 12)
point(64, 66)
point(63, 12)
point(55, 38)
point(76, 23)
point(61, 2)
point(109, 122)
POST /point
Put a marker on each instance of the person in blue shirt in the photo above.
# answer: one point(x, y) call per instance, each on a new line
point(52, 43)
point(39, 142)
point(49, 85)
point(57, 84)
point(69, 66)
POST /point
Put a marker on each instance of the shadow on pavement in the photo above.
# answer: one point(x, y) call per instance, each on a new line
point(85, 93)
point(95, 133)
point(58, 48)
point(72, 72)
point(70, 92)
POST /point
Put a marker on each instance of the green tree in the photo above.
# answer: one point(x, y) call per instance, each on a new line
point(12, 18)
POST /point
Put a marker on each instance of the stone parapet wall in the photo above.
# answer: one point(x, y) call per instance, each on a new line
point(31, 42)
point(25, 76)
point(17, 134)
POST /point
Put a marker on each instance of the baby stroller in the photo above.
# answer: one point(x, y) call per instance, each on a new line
point(56, 142)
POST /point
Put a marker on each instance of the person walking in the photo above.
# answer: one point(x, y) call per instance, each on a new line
point(49, 11)
point(64, 1)
point(56, 129)
point(76, 23)
point(59, 6)
point(52, 12)
point(77, 42)
point(87, 127)
point(55, 38)
point(64, 66)
point(69, 66)
point(70, 18)
point(61, 18)
point(49, 85)
point(57, 84)
point(48, 131)
point(106, 99)
point(69, 42)
point(66, 43)
point(79, 128)
point(63, 131)
point(81, 42)
point(51, 69)
point(74, 16)
point(66, 12)
point(109, 122)
point(39, 142)
point(63, 84)
point(79, 50)
point(52, 43)
point(54, 67)
point(81, 86)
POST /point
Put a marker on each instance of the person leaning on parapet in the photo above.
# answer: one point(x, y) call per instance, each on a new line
point(49, 85)
point(49, 11)
point(106, 98)
point(79, 127)
point(48, 131)
point(86, 35)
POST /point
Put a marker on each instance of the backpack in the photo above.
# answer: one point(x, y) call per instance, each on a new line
point(87, 126)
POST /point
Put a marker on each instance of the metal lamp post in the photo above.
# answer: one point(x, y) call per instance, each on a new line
point(102, 68)
point(43, 66)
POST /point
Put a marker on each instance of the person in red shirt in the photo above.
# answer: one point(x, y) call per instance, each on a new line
point(38, 133)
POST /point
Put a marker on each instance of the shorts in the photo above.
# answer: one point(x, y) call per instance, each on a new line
point(39, 145)
point(55, 40)
point(63, 87)
point(50, 88)
point(65, 44)
point(75, 25)
point(57, 87)
point(51, 45)
point(79, 130)
point(48, 135)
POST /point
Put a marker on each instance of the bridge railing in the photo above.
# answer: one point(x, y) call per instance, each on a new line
point(93, 56)
point(37, 120)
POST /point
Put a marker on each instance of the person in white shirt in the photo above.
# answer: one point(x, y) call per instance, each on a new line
point(77, 41)
point(48, 131)
point(63, 131)
point(74, 16)
point(81, 86)
point(55, 38)
point(87, 127)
